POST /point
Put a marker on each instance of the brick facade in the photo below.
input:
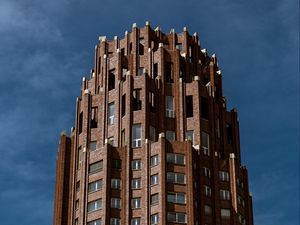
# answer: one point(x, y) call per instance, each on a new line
point(128, 86)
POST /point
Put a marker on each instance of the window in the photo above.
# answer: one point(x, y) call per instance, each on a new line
point(229, 133)
point(224, 195)
point(111, 80)
point(204, 108)
point(136, 203)
point(225, 213)
point(170, 135)
point(190, 53)
point(80, 122)
point(123, 138)
point(176, 217)
point(239, 183)
point(123, 109)
point(178, 178)
point(154, 160)
point(136, 135)
point(136, 183)
point(141, 46)
point(94, 205)
point(96, 167)
point(136, 221)
point(154, 199)
point(207, 191)
point(241, 219)
point(207, 210)
point(116, 164)
point(111, 113)
point(95, 222)
point(79, 157)
point(189, 105)
point(77, 204)
point(136, 100)
point(115, 203)
point(176, 158)
point(77, 186)
point(115, 221)
point(190, 135)
point(177, 198)
point(223, 176)
point(170, 113)
point(94, 117)
point(155, 70)
point(152, 101)
point(179, 46)
point(115, 183)
point(169, 72)
point(154, 179)
point(111, 141)
point(154, 218)
point(240, 201)
point(206, 172)
point(93, 145)
point(136, 164)
point(152, 133)
point(76, 221)
point(95, 186)
point(205, 143)
point(141, 71)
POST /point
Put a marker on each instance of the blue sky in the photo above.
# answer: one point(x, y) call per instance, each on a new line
point(47, 46)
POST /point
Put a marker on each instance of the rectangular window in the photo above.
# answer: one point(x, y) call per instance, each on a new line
point(141, 71)
point(111, 79)
point(141, 46)
point(136, 100)
point(95, 222)
point(136, 221)
point(239, 183)
point(115, 203)
point(177, 217)
point(177, 198)
point(77, 186)
point(152, 133)
point(207, 191)
point(136, 183)
point(224, 195)
point(241, 219)
point(94, 117)
point(190, 135)
point(223, 176)
point(169, 72)
point(115, 183)
point(111, 113)
point(177, 178)
point(170, 110)
point(154, 218)
point(207, 210)
point(123, 138)
point(154, 179)
point(96, 167)
point(154, 160)
point(241, 201)
point(111, 141)
point(176, 158)
point(170, 135)
point(116, 164)
point(80, 123)
point(77, 204)
point(205, 143)
point(136, 203)
point(204, 108)
point(136, 135)
point(225, 213)
point(179, 46)
point(95, 186)
point(206, 172)
point(93, 145)
point(115, 221)
point(123, 109)
point(155, 70)
point(136, 164)
point(154, 199)
point(79, 157)
point(189, 105)
point(152, 101)
point(94, 205)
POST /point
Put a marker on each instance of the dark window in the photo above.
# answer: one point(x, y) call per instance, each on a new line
point(137, 103)
point(204, 108)
point(190, 53)
point(122, 51)
point(229, 133)
point(123, 105)
point(141, 71)
point(116, 164)
point(80, 122)
point(96, 167)
point(99, 65)
point(152, 101)
point(111, 80)
point(77, 186)
point(141, 46)
point(189, 105)
point(155, 70)
point(94, 117)
point(130, 48)
point(169, 72)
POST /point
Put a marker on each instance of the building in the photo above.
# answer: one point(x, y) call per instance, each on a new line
point(153, 142)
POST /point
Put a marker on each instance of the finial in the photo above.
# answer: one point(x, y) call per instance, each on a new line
point(134, 25)
point(147, 23)
point(115, 38)
point(185, 29)
point(172, 31)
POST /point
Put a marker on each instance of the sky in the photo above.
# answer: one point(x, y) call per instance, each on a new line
point(46, 47)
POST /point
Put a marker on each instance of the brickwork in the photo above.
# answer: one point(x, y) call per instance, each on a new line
point(166, 86)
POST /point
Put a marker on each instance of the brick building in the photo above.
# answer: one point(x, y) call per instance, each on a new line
point(153, 142)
